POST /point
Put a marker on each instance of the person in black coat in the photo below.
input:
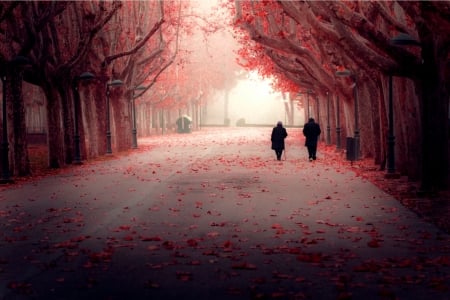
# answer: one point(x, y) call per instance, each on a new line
point(311, 131)
point(279, 133)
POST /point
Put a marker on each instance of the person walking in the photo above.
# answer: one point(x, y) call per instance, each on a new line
point(311, 131)
point(279, 133)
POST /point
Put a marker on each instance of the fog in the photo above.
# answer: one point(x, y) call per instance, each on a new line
point(251, 99)
point(233, 93)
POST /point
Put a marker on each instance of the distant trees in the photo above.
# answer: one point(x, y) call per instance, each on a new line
point(308, 41)
point(204, 64)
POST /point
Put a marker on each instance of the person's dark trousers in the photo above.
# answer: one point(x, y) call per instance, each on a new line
point(312, 150)
point(278, 153)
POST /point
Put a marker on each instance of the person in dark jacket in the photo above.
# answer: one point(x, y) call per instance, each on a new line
point(311, 131)
point(279, 133)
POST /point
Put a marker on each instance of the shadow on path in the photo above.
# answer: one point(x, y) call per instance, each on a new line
point(213, 215)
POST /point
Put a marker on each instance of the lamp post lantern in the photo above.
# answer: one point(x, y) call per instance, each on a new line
point(76, 97)
point(116, 82)
point(17, 61)
point(404, 39)
point(133, 112)
point(348, 73)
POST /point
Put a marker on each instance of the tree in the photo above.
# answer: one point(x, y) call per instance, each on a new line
point(203, 64)
point(20, 21)
point(309, 40)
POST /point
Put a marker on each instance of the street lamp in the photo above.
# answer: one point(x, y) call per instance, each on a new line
point(328, 120)
point(307, 102)
point(133, 111)
point(317, 108)
point(338, 125)
point(348, 73)
point(17, 61)
point(391, 136)
point(402, 39)
point(200, 109)
point(116, 82)
point(77, 109)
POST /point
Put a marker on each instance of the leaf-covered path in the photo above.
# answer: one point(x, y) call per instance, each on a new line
point(213, 215)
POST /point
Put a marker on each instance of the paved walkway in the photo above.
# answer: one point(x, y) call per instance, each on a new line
point(212, 215)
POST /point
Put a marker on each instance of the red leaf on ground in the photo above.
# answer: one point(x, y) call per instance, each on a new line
point(310, 257)
point(192, 242)
point(244, 266)
point(184, 276)
point(79, 238)
point(373, 243)
point(369, 266)
point(66, 244)
point(168, 245)
point(227, 246)
point(213, 234)
point(353, 229)
point(128, 238)
point(151, 239)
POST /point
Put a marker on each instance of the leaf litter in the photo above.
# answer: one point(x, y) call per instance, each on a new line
point(227, 223)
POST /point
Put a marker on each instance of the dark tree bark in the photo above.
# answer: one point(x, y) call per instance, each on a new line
point(55, 140)
point(21, 162)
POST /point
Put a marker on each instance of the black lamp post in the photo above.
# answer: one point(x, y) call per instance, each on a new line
point(348, 73)
point(200, 109)
point(328, 120)
point(307, 101)
point(17, 61)
point(5, 145)
point(338, 125)
point(317, 108)
point(116, 82)
point(76, 97)
point(400, 40)
point(133, 112)
point(391, 136)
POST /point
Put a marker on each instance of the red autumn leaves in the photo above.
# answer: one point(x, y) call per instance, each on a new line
point(235, 229)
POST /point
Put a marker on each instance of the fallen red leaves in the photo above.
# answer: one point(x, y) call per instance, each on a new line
point(303, 235)
point(244, 266)
point(311, 257)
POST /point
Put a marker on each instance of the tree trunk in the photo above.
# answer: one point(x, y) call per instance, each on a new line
point(407, 128)
point(434, 142)
point(92, 122)
point(68, 120)
point(120, 122)
point(54, 126)
point(435, 161)
point(375, 130)
point(21, 164)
